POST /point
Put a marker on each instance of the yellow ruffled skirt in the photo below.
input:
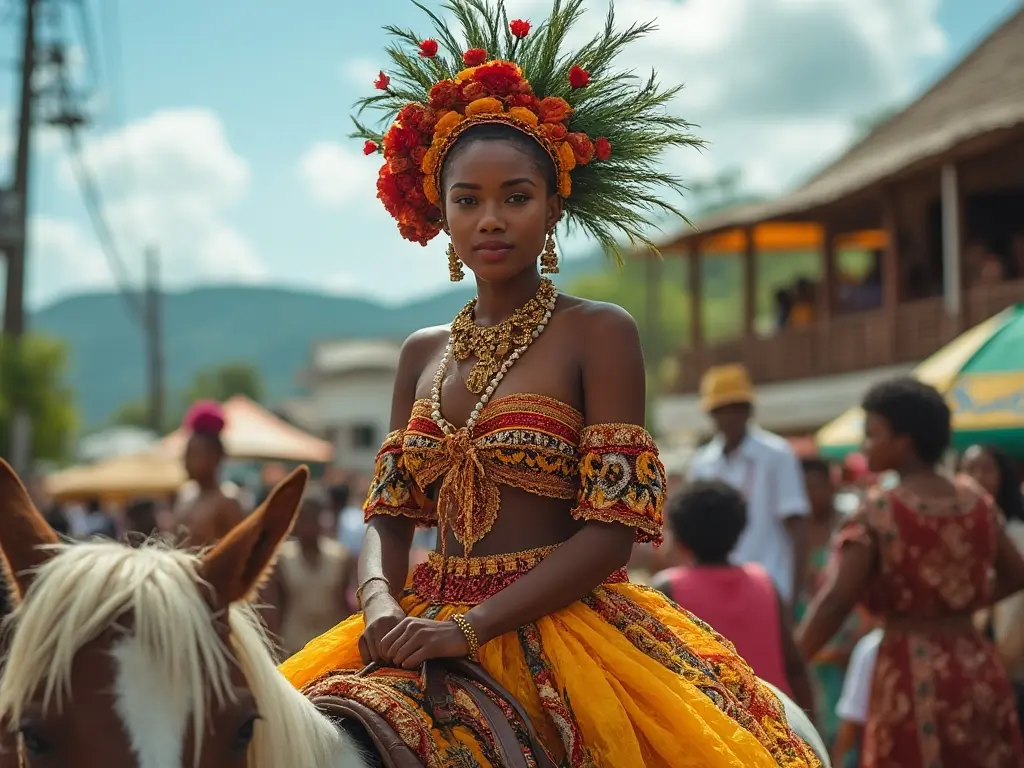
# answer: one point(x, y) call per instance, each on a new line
point(623, 678)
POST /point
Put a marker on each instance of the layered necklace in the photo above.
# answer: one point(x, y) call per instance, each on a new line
point(495, 347)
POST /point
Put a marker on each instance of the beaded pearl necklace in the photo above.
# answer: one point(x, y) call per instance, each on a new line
point(435, 393)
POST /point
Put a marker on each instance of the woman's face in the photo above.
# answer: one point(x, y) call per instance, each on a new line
point(497, 209)
point(883, 449)
point(982, 468)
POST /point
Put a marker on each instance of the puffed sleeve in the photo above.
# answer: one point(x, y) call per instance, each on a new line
point(393, 491)
point(622, 480)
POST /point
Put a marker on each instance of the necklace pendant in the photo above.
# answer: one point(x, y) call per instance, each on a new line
point(478, 377)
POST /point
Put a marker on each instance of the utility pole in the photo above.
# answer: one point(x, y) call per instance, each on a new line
point(153, 331)
point(17, 224)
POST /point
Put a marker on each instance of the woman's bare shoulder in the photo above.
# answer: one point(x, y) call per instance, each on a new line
point(588, 310)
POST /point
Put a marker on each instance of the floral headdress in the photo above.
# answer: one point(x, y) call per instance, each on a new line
point(604, 130)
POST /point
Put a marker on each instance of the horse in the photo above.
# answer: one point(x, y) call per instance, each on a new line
point(152, 657)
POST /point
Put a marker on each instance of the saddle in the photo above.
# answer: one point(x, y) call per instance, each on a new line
point(440, 678)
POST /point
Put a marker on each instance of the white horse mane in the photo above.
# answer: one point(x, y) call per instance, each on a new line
point(87, 587)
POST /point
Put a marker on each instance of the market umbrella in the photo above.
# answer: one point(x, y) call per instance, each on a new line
point(122, 478)
point(981, 373)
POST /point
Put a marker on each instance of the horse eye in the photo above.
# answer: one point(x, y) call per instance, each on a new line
point(35, 743)
point(245, 733)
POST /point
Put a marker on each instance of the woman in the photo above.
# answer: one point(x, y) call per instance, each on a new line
point(518, 429)
point(206, 513)
point(920, 556)
point(996, 472)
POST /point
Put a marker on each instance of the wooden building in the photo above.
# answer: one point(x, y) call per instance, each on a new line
point(936, 193)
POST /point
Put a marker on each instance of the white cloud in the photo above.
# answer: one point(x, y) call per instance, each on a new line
point(169, 181)
point(335, 175)
point(360, 72)
point(63, 259)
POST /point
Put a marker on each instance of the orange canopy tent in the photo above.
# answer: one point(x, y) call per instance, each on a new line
point(253, 432)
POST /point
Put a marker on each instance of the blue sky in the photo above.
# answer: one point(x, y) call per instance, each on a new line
point(221, 136)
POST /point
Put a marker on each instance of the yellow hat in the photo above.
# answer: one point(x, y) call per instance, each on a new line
point(725, 385)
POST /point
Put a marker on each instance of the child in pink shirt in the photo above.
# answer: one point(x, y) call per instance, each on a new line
point(739, 601)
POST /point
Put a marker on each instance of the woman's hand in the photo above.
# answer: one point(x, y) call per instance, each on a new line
point(382, 614)
point(414, 641)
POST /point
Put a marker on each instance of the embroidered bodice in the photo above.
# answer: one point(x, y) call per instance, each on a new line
point(526, 441)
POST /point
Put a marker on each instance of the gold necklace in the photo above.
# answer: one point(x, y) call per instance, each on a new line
point(492, 345)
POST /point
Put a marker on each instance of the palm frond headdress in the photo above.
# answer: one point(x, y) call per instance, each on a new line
point(604, 130)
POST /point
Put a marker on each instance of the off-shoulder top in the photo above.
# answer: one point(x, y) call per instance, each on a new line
point(526, 441)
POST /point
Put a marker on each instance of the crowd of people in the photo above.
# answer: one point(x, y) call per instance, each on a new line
point(880, 621)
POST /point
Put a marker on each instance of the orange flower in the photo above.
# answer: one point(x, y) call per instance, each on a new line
point(429, 163)
point(554, 110)
point(446, 124)
point(565, 184)
point(485, 106)
point(430, 189)
point(523, 115)
point(566, 156)
point(554, 131)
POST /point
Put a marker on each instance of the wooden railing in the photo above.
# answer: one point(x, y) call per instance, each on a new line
point(854, 342)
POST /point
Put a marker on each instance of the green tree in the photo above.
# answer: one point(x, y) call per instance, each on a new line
point(33, 377)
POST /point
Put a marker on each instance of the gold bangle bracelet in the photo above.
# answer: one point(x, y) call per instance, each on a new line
point(365, 584)
point(467, 629)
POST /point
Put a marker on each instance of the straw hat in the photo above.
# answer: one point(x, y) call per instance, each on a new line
point(725, 385)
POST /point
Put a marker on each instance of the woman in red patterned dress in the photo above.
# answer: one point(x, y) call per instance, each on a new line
point(920, 556)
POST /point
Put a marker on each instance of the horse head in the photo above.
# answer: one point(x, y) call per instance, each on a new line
point(149, 657)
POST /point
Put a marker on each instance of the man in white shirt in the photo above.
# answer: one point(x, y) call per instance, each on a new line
point(763, 467)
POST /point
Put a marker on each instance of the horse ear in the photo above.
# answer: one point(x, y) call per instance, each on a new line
point(237, 565)
point(25, 536)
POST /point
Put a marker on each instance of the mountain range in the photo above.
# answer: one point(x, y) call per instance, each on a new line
point(271, 328)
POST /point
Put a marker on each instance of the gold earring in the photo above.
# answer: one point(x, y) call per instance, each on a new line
point(549, 259)
point(455, 272)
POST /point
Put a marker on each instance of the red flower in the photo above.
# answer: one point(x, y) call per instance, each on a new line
point(444, 95)
point(527, 100)
point(428, 48)
point(370, 147)
point(582, 147)
point(399, 140)
point(499, 77)
point(519, 28)
point(602, 148)
point(474, 57)
point(382, 82)
point(578, 77)
point(410, 115)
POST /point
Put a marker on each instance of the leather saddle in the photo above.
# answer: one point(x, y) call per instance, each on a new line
point(440, 676)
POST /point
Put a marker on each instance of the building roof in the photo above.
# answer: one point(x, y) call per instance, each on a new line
point(982, 94)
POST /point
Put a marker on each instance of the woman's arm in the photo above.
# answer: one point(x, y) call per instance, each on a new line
point(388, 539)
point(845, 585)
point(384, 555)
